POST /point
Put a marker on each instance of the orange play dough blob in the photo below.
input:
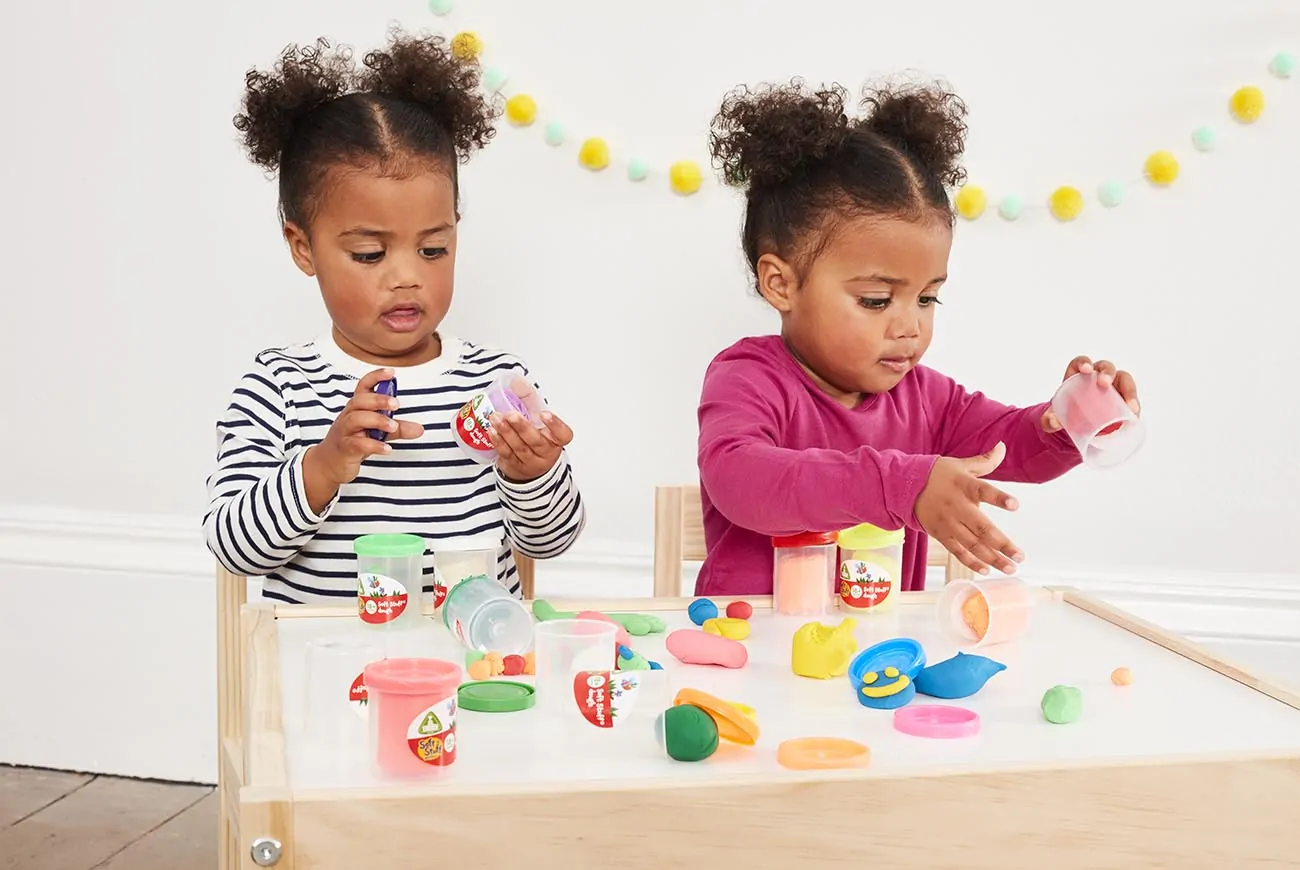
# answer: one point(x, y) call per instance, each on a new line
point(822, 753)
point(975, 613)
point(1121, 677)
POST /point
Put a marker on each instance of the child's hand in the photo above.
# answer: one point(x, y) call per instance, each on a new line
point(1106, 375)
point(337, 459)
point(949, 511)
point(525, 452)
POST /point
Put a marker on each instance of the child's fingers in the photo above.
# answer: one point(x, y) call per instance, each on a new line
point(358, 421)
point(371, 380)
point(1078, 364)
point(532, 437)
point(503, 433)
point(1051, 423)
point(1127, 388)
point(372, 402)
point(407, 431)
point(557, 430)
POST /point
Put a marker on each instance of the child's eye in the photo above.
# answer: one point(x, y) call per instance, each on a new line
point(368, 256)
point(433, 253)
point(875, 303)
point(929, 300)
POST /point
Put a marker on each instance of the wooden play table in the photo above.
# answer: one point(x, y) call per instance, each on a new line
point(1196, 764)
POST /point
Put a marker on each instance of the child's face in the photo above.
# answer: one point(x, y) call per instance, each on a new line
point(863, 315)
point(383, 250)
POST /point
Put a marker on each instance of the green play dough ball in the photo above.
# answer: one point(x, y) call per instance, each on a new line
point(473, 655)
point(1062, 704)
point(686, 733)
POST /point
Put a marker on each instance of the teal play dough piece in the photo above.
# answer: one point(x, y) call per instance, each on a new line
point(1203, 138)
point(1282, 65)
point(1110, 193)
point(637, 169)
point(1010, 207)
point(554, 133)
point(1062, 705)
point(439, 7)
point(958, 677)
point(494, 78)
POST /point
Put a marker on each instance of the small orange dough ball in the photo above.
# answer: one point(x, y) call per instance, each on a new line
point(530, 664)
point(975, 613)
point(1121, 677)
point(480, 670)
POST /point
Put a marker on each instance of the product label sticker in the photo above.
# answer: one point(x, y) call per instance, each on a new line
point(472, 423)
point(605, 697)
point(358, 697)
point(439, 588)
point(380, 599)
point(863, 584)
point(432, 734)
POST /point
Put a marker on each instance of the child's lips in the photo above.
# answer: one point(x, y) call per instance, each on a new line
point(402, 318)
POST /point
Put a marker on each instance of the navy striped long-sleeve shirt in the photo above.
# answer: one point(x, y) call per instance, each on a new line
point(258, 521)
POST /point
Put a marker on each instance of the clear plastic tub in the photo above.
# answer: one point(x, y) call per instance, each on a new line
point(412, 716)
point(985, 612)
point(509, 393)
point(460, 559)
point(562, 648)
point(613, 712)
point(1099, 422)
point(871, 568)
point(390, 578)
point(335, 697)
point(483, 615)
point(803, 574)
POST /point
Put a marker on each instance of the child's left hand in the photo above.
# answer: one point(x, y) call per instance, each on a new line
point(524, 452)
point(1123, 381)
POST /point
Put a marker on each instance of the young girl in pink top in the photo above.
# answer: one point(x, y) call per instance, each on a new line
point(834, 422)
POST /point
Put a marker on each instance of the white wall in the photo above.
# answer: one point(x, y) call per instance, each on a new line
point(128, 200)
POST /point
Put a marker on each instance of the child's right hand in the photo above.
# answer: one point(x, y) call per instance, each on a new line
point(337, 459)
point(949, 511)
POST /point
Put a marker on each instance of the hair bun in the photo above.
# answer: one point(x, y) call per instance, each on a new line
point(928, 123)
point(760, 138)
point(274, 101)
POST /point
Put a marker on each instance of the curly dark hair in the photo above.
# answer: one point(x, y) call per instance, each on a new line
point(412, 103)
point(805, 164)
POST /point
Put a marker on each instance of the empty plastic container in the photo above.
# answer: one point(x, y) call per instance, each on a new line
point(390, 577)
point(412, 715)
point(335, 697)
point(483, 615)
point(803, 574)
point(509, 393)
point(871, 568)
point(1098, 420)
point(460, 559)
point(984, 612)
point(564, 647)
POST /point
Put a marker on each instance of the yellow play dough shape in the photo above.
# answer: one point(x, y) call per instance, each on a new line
point(685, 177)
point(871, 690)
point(1066, 203)
point(726, 626)
point(1162, 167)
point(746, 709)
point(466, 45)
point(521, 110)
point(970, 202)
point(594, 154)
point(1247, 104)
point(821, 652)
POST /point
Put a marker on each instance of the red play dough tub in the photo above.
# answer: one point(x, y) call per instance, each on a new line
point(412, 715)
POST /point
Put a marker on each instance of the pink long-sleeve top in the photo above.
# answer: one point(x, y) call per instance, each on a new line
point(778, 456)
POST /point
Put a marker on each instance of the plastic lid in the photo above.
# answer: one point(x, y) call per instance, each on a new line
point(804, 539)
point(412, 676)
point(466, 545)
point(496, 696)
point(389, 545)
point(868, 537)
point(822, 753)
point(902, 652)
point(936, 721)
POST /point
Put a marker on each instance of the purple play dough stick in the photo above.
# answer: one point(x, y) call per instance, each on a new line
point(387, 388)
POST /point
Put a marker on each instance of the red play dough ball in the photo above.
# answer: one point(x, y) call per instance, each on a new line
point(739, 610)
point(513, 665)
point(1109, 429)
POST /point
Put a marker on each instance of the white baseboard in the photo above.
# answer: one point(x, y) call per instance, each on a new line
point(111, 619)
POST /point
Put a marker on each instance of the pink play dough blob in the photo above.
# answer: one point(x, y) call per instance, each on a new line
point(620, 634)
point(695, 647)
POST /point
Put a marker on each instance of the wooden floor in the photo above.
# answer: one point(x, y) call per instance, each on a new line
point(70, 821)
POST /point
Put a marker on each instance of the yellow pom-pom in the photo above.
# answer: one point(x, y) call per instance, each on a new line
point(971, 201)
point(466, 45)
point(594, 154)
point(1247, 104)
point(1066, 203)
point(521, 110)
point(685, 177)
point(1162, 167)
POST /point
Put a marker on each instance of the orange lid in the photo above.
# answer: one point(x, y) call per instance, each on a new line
point(822, 753)
point(733, 724)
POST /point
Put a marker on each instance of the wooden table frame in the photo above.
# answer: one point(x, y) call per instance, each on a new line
point(1123, 813)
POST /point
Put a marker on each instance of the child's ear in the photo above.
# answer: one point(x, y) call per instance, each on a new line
point(776, 281)
point(300, 248)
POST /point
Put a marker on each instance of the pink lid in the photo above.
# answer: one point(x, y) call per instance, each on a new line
point(412, 676)
point(936, 721)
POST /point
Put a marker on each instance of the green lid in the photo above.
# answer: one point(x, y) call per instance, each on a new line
point(389, 545)
point(867, 537)
point(495, 696)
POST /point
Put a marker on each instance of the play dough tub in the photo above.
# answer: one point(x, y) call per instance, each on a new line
point(1183, 767)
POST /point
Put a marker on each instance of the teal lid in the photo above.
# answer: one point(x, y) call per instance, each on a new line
point(389, 545)
point(496, 696)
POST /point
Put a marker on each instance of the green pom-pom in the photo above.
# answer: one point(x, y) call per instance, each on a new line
point(494, 79)
point(637, 170)
point(554, 133)
point(1282, 64)
point(439, 7)
point(1203, 138)
point(1110, 193)
point(1010, 207)
point(686, 733)
point(1062, 705)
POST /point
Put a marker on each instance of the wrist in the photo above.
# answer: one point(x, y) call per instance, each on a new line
point(320, 486)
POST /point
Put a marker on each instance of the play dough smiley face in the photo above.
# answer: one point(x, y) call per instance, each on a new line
point(873, 686)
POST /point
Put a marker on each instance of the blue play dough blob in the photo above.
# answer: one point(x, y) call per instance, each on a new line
point(959, 677)
point(655, 666)
point(702, 609)
point(903, 653)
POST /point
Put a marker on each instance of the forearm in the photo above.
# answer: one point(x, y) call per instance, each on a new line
point(543, 517)
point(320, 491)
point(1033, 454)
